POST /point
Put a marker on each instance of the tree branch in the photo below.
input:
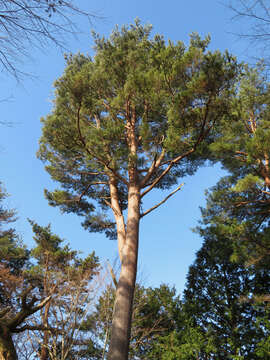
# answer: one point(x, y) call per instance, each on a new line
point(4, 312)
point(36, 327)
point(162, 202)
point(27, 310)
point(172, 163)
point(24, 296)
point(93, 154)
point(155, 165)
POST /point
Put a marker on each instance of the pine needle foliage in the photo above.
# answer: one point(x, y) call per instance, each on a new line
point(176, 94)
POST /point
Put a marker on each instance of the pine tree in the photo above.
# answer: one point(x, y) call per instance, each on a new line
point(218, 297)
point(136, 117)
point(155, 314)
point(60, 273)
point(241, 200)
point(13, 255)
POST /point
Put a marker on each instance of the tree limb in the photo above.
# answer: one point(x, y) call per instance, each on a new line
point(155, 165)
point(36, 327)
point(172, 163)
point(93, 154)
point(27, 310)
point(4, 312)
point(162, 202)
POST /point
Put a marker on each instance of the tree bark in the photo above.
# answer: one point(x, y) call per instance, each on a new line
point(7, 348)
point(119, 218)
point(121, 324)
point(44, 355)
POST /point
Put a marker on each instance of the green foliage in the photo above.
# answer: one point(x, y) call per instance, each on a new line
point(263, 347)
point(172, 94)
point(13, 255)
point(217, 318)
point(188, 344)
point(60, 272)
point(240, 202)
point(155, 314)
point(218, 299)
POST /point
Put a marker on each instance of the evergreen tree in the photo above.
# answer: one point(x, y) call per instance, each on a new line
point(13, 255)
point(219, 295)
point(155, 314)
point(13, 259)
point(59, 272)
point(136, 117)
point(241, 200)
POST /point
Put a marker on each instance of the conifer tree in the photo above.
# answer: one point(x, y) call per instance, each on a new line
point(136, 117)
point(60, 273)
point(241, 200)
point(13, 258)
point(156, 312)
point(13, 255)
point(219, 299)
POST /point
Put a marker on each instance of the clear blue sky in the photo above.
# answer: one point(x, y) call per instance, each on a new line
point(167, 244)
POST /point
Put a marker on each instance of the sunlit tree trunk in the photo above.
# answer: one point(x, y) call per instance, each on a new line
point(121, 324)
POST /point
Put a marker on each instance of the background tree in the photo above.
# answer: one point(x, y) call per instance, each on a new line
point(64, 285)
point(256, 14)
point(25, 24)
point(239, 204)
point(13, 259)
point(13, 255)
point(218, 318)
point(218, 298)
point(241, 201)
point(134, 118)
point(71, 282)
point(12, 321)
point(154, 314)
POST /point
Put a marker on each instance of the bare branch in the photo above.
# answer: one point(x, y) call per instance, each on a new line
point(26, 311)
point(28, 24)
point(112, 275)
point(162, 202)
point(36, 327)
point(4, 312)
point(41, 304)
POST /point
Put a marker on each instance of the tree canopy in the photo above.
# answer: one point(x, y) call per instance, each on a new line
point(175, 95)
point(240, 201)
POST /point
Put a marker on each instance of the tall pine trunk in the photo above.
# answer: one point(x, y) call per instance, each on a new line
point(121, 324)
point(44, 354)
point(7, 348)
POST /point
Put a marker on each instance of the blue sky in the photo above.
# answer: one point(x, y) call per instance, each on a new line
point(167, 244)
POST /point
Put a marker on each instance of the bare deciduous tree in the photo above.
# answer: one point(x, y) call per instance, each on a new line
point(256, 14)
point(14, 322)
point(28, 24)
point(72, 301)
